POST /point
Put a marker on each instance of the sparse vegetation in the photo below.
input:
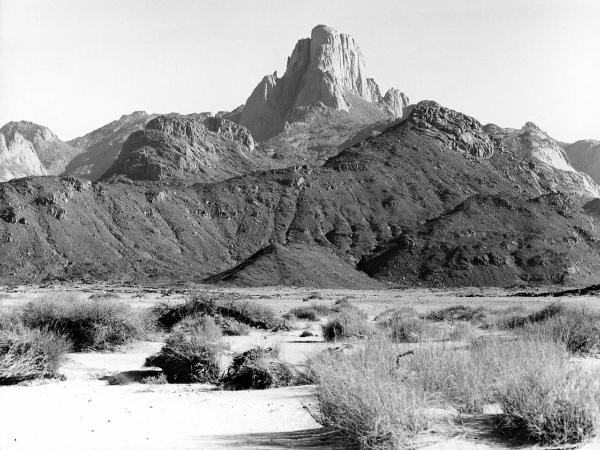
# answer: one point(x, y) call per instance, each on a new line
point(577, 328)
point(188, 358)
point(550, 406)
point(379, 397)
point(88, 324)
point(364, 397)
point(258, 368)
point(349, 323)
point(457, 313)
point(520, 320)
point(311, 312)
point(27, 353)
point(222, 310)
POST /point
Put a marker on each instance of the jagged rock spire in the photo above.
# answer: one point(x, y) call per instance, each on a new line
point(328, 68)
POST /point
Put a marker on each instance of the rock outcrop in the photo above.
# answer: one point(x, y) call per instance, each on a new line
point(584, 155)
point(459, 131)
point(327, 69)
point(18, 157)
point(547, 160)
point(102, 146)
point(201, 149)
point(53, 153)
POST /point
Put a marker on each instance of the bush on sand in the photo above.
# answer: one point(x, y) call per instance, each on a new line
point(88, 324)
point(258, 368)
point(27, 353)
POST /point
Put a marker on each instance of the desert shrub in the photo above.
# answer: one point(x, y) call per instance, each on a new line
point(88, 324)
point(188, 358)
point(258, 368)
point(520, 320)
point(252, 314)
point(467, 378)
point(363, 396)
point(409, 329)
point(457, 313)
point(248, 313)
point(349, 323)
point(310, 312)
point(576, 328)
point(155, 379)
point(342, 304)
point(119, 379)
point(550, 407)
point(201, 326)
point(30, 353)
point(232, 327)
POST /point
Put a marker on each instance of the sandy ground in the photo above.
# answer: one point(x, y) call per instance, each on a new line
point(84, 412)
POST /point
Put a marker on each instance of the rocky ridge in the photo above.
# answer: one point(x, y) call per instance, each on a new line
point(201, 149)
point(407, 207)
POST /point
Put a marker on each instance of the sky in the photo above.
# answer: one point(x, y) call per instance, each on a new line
point(75, 65)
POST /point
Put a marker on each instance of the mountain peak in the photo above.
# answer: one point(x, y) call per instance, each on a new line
point(326, 69)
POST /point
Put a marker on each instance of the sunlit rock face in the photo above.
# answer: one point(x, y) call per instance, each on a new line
point(327, 69)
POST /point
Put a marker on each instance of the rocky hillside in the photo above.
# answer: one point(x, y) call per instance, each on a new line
point(52, 153)
point(433, 200)
point(547, 160)
point(585, 156)
point(102, 146)
point(202, 149)
point(18, 158)
point(35, 150)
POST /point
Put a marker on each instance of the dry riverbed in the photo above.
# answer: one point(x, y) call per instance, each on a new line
point(82, 411)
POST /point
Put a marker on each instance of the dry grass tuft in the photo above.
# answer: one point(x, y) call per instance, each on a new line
point(349, 323)
point(379, 397)
point(258, 368)
point(26, 353)
point(225, 311)
point(365, 397)
point(88, 324)
point(577, 328)
point(188, 358)
point(311, 312)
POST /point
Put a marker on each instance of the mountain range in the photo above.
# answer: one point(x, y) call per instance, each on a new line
point(318, 179)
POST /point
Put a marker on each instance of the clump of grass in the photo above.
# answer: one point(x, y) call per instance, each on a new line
point(309, 312)
point(349, 323)
point(577, 328)
point(457, 313)
point(248, 313)
point(88, 324)
point(550, 407)
point(409, 329)
point(343, 304)
point(380, 398)
point(258, 368)
point(119, 379)
point(203, 326)
point(520, 320)
point(27, 353)
point(363, 396)
point(232, 327)
point(188, 358)
point(155, 379)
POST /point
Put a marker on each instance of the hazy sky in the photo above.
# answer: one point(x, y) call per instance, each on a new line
point(74, 65)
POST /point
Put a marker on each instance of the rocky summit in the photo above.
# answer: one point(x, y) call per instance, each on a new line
point(326, 69)
point(318, 180)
